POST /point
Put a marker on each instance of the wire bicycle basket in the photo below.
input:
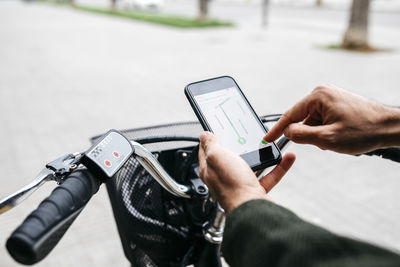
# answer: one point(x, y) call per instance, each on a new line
point(155, 227)
point(152, 223)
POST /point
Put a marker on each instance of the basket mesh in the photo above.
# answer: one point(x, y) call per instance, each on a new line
point(152, 224)
point(190, 129)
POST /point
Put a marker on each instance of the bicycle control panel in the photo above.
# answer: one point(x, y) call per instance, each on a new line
point(108, 154)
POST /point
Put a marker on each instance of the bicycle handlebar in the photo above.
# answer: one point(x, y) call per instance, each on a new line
point(392, 153)
point(45, 226)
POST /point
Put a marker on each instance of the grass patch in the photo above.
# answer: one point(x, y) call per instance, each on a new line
point(367, 49)
point(168, 20)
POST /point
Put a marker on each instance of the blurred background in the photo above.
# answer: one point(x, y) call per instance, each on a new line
point(71, 70)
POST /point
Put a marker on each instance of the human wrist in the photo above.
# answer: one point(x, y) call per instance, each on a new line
point(389, 128)
point(232, 203)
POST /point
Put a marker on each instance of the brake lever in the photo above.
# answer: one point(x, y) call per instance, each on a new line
point(19, 196)
point(147, 160)
point(56, 170)
point(104, 159)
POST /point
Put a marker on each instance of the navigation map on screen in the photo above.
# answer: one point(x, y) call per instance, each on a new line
point(232, 120)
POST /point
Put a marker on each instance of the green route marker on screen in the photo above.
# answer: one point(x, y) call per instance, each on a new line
point(241, 140)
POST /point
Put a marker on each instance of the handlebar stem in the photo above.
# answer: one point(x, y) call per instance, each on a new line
point(215, 230)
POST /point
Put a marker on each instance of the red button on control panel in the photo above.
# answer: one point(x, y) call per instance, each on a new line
point(116, 154)
point(107, 163)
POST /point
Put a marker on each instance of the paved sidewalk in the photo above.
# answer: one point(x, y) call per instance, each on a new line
point(67, 75)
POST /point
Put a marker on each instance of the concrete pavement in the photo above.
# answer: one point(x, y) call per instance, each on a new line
point(67, 75)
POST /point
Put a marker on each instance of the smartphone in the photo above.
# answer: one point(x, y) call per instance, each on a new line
point(222, 109)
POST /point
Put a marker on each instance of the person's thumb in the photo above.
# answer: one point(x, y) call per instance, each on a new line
point(208, 140)
point(272, 178)
point(304, 134)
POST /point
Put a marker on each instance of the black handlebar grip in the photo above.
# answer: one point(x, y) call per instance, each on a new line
point(392, 153)
point(45, 226)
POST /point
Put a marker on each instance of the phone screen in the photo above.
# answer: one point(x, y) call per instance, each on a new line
point(232, 120)
point(222, 108)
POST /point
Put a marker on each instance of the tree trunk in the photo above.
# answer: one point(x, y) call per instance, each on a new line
point(203, 9)
point(318, 2)
point(265, 7)
point(356, 36)
point(113, 4)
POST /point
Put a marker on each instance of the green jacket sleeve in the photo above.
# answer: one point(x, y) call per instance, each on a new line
point(260, 233)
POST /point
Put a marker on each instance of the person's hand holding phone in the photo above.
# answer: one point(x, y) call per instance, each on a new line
point(338, 120)
point(230, 179)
